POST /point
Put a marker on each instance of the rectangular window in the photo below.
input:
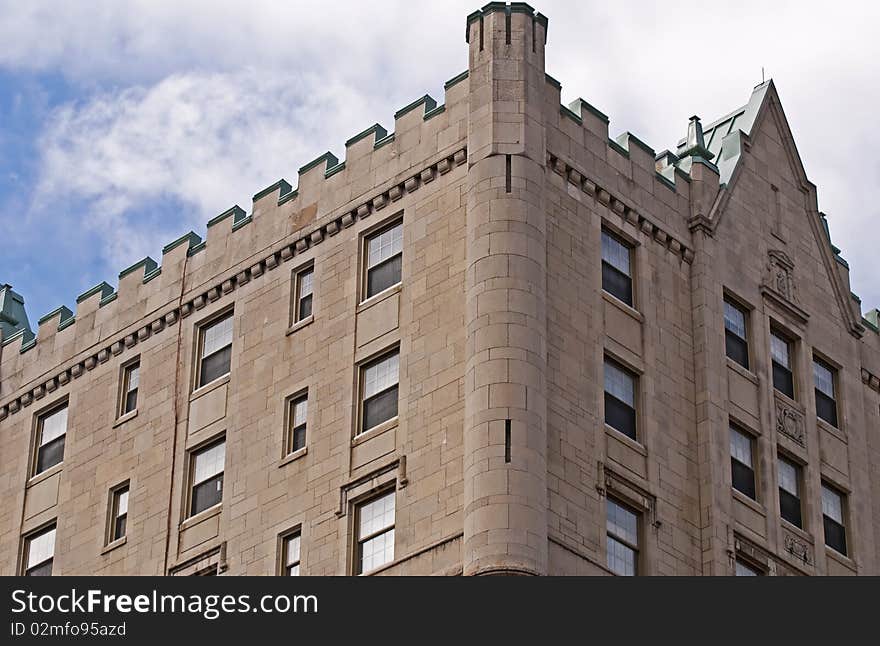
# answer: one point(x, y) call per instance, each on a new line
point(302, 308)
point(742, 469)
point(744, 569)
point(826, 402)
point(384, 259)
point(130, 381)
point(51, 433)
point(617, 268)
point(780, 352)
point(620, 399)
point(832, 519)
point(40, 552)
point(622, 525)
point(118, 513)
point(297, 413)
point(207, 467)
point(290, 553)
point(215, 350)
point(375, 533)
point(379, 391)
point(736, 334)
point(789, 492)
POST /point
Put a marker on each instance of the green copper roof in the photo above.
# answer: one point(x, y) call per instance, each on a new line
point(725, 149)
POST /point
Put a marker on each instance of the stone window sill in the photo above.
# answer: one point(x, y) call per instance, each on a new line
point(845, 561)
point(124, 418)
point(794, 529)
point(375, 431)
point(381, 296)
point(119, 542)
point(832, 430)
point(45, 475)
point(204, 390)
point(743, 372)
point(300, 324)
point(748, 502)
point(192, 521)
point(296, 455)
point(635, 445)
point(623, 307)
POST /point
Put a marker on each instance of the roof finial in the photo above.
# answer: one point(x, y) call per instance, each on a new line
point(696, 144)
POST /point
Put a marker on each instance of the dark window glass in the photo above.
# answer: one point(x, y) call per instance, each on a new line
point(120, 513)
point(207, 494)
point(741, 465)
point(743, 569)
point(51, 433)
point(780, 351)
point(216, 350)
point(384, 259)
point(40, 553)
point(207, 477)
point(622, 538)
point(379, 383)
point(375, 533)
point(131, 381)
point(291, 554)
point(832, 519)
point(620, 398)
point(304, 294)
point(297, 417)
point(50, 454)
point(380, 408)
point(789, 492)
point(826, 405)
point(616, 268)
point(735, 335)
point(384, 275)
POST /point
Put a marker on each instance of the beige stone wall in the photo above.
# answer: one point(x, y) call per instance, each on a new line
point(443, 172)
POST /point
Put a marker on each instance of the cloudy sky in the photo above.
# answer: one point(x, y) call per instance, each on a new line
point(125, 124)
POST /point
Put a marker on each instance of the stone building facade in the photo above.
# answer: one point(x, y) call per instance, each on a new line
point(492, 341)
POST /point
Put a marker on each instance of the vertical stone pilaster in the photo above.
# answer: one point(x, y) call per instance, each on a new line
point(505, 433)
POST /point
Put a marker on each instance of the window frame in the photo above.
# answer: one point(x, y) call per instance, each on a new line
point(201, 329)
point(299, 274)
point(368, 236)
point(27, 540)
point(799, 481)
point(39, 425)
point(753, 570)
point(791, 369)
point(843, 497)
point(113, 515)
point(289, 419)
point(635, 377)
point(733, 427)
point(284, 564)
point(358, 540)
point(636, 549)
point(124, 386)
point(192, 453)
point(819, 394)
point(731, 337)
point(361, 385)
point(630, 247)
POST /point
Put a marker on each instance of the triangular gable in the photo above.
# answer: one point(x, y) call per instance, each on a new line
point(741, 126)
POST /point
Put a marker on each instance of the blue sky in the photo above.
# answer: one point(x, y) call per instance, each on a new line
point(124, 125)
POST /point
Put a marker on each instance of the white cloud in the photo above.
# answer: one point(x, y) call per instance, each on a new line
point(210, 101)
point(205, 140)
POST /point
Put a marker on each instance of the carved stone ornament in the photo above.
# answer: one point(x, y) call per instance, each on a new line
point(797, 548)
point(779, 285)
point(780, 275)
point(790, 422)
